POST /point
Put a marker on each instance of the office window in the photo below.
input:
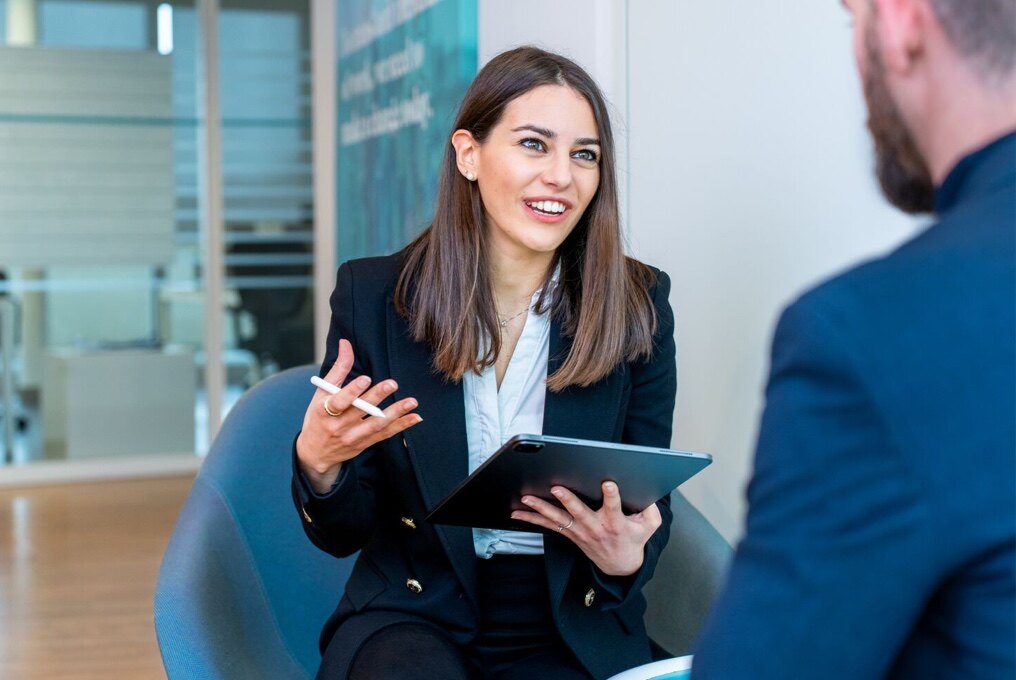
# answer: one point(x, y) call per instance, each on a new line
point(83, 23)
point(265, 66)
point(100, 195)
point(264, 69)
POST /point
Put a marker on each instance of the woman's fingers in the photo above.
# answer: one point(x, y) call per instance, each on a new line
point(397, 425)
point(537, 519)
point(611, 509)
point(343, 364)
point(342, 400)
point(380, 392)
point(651, 517)
point(372, 430)
point(613, 541)
point(555, 516)
point(574, 507)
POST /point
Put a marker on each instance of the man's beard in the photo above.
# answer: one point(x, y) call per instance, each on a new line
point(901, 170)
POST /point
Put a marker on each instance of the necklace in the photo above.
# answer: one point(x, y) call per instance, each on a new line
point(504, 321)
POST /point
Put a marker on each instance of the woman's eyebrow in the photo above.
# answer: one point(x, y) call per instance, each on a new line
point(550, 134)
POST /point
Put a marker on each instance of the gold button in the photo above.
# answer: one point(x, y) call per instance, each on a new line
point(590, 596)
point(408, 521)
point(414, 585)
point(306, 517)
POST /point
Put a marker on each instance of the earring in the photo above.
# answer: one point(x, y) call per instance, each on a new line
point(470, 175)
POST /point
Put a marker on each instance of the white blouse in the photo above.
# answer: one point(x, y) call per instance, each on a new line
point(494, 416)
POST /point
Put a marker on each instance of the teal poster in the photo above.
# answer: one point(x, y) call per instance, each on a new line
point(403, 67)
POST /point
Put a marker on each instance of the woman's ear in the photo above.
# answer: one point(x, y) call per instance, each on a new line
point(466, 153)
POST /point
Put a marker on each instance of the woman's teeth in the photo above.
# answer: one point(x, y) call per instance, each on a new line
point(547, 207)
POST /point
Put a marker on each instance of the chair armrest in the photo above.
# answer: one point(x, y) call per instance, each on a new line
point(212, 617)
point(689, 575)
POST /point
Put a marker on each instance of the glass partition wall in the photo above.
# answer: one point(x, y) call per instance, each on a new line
point(105, 223)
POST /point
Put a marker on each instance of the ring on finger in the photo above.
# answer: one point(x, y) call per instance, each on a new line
point(328, 410)
point(566, 527)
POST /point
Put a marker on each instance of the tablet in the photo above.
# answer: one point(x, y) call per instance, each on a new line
point(530, 464)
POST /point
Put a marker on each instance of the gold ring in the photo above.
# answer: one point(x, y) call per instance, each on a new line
point(565, 527)
point(330, 412)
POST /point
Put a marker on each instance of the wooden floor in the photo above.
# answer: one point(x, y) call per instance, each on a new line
point(78, 565)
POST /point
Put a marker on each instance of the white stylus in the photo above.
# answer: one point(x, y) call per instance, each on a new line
point(358, 403)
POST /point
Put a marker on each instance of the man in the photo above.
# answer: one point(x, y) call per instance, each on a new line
point(881, 529)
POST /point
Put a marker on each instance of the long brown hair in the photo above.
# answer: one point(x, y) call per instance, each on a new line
point(602, 298)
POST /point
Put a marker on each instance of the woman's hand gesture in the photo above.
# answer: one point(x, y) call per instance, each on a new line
point(335, 431)
point(613, 541)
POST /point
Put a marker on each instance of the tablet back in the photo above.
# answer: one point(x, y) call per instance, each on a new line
point(532, 464)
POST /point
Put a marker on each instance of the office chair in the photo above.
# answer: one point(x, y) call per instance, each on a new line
point(242, 592)
point(689, 576)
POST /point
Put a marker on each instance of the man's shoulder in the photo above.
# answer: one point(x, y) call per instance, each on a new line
point(952, 259)
point(855, 291)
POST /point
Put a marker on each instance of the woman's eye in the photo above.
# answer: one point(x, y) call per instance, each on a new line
point(533, 144)
point(586, 155)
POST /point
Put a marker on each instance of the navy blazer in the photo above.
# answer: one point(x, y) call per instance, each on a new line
point(881, 530)
point(381, 498)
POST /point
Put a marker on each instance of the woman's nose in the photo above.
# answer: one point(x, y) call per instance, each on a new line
point(558, 171)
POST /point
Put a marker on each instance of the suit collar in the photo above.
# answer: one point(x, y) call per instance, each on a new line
point(580, 413)
point(986, 170)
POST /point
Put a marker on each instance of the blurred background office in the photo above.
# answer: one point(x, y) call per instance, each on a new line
point(105, 168)
point(176, 190)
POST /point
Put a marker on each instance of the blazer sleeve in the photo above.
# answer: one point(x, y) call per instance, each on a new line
point(836, 557)
point(649, 422)
point(341, 521)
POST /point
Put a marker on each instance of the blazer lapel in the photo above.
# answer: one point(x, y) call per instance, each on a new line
point(437, 446)
point(580, 413)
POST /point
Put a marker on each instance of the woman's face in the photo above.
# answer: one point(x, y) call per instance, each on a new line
point(537, 171)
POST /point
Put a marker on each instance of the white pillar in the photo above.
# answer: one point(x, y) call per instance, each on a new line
point(211, 203)
point(322, 44)
point(23, 31)
point(22, 22)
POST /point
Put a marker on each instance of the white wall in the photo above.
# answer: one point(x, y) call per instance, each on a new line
point(750, 181)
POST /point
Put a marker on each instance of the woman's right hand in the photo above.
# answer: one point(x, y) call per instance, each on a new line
point(326, 441)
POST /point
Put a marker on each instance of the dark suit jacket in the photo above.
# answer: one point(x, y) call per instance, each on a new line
point(881, 531)
point(380, 501)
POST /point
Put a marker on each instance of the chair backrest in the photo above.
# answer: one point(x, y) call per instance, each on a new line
point(689, 575)
point(242, 592)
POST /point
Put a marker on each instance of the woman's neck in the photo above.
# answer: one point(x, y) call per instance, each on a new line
point(515, 279)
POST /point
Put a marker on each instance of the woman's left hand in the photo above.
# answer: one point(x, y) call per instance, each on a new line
point(613, 541)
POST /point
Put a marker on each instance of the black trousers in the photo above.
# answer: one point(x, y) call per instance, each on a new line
point(517, 637)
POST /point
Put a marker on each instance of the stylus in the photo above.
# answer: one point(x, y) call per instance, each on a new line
point(358, 403)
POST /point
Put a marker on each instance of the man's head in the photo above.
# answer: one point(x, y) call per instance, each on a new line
point(916, 58)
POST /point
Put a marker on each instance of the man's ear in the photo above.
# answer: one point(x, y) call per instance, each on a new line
point(466, 156)
point(901, 28)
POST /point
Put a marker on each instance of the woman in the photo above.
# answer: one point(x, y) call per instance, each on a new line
point(515, 311)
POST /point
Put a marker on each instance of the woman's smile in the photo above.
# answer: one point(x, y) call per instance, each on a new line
point(547, 209)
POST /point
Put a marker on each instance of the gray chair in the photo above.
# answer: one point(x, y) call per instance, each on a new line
point(242, 592)
point(688, 577)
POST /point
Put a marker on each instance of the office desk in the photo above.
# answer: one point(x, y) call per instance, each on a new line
point(117, 402)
